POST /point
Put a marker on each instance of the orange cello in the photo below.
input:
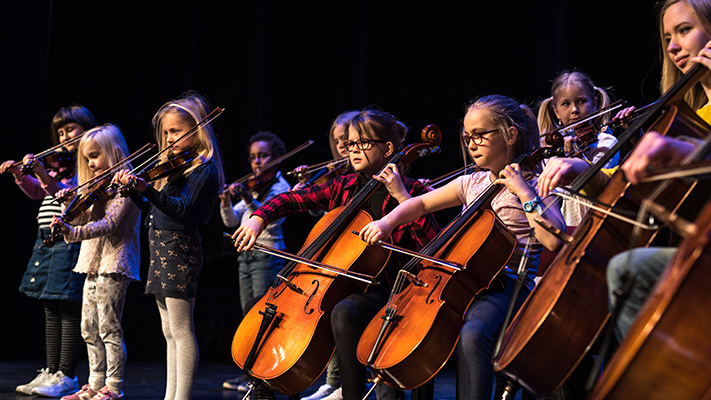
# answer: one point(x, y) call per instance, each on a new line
point(665, 354)
point(414, 335)
point(567, 310)
point(285, 340)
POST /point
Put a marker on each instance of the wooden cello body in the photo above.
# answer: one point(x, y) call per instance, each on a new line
point(429, 318)
point(426, 318)
point(290, 349)
point(299, 343)
point(567, 310)
point(667, 351)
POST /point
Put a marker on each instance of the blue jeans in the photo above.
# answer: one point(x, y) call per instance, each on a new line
point(257, 271)
point(647, 264)
point(475, 372)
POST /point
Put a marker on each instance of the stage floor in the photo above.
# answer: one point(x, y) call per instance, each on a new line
point(145, 381)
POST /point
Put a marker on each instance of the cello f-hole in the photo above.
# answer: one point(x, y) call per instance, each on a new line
point(429, 299)
point(306, 306)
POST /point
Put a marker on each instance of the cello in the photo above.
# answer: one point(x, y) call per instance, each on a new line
point(420, 325)
point(567, 310)
point(666, 353)
point(285, 340)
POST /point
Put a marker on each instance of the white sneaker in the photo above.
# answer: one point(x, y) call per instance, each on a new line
point(40, 380)
point(58, 386)
point(323, 391)
point(239, 384)
point(336, 395)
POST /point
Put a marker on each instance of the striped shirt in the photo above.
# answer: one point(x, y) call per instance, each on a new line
point(47, 210)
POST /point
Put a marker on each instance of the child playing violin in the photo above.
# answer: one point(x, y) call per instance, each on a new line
point(573, 97)
point(373, 138)
point(496, 131)
point(109, 257)
point(337, 136)
point(176, 205)
point(257, 270)
point(49, 275)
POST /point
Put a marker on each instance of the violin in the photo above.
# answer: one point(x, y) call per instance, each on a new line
point(185, 159)
point(55, 158)
point(421, 322)
point(80, 204)
point(286, 340)
point(256, 180)
point(566, 311)
point(152, 169)
point(585, 130)
point(324, 171)
point(99, 189)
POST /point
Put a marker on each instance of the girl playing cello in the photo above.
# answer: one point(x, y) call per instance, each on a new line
point(373, 138)
point(337, 136)
point(685, 33)
point(496, 131)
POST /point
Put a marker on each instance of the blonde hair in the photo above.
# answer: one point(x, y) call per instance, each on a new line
point(191, 108)
point(343, 120)
point(695, 97)
point(505, 113)
point(112, 144)
point(547, 120)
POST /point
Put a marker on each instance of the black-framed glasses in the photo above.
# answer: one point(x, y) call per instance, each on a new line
point(362, 144)
point(477, 137)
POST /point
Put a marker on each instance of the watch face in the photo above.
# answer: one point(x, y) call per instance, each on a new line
point(527, 206)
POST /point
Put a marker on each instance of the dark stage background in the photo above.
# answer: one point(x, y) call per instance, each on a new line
point(289, 67)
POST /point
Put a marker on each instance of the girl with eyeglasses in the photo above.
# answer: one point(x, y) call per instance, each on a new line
point(373, 138)
point(497, 130)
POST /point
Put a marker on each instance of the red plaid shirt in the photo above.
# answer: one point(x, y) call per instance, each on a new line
point(338, 192)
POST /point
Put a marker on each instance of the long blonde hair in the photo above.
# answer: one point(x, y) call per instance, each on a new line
point(112, 144)
point(191, 108)
point(344, 120)
point(547, 120)
point(695, 97)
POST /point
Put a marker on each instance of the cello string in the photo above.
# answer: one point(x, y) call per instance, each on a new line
point(576, 198)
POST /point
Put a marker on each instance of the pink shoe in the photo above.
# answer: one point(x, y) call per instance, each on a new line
point(85, 393)
point(106, 394)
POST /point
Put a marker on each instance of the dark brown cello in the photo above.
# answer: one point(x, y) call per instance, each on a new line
point(285, 340)
point(665, 354)
point(414, 335)
point(567, 309)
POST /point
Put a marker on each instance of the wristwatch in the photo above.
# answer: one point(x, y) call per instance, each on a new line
point(534, 204)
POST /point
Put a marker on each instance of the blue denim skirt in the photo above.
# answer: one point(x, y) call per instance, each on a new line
point(49, 274)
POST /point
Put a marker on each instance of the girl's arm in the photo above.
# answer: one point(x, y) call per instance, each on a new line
point(117, 209)
point(409, 210)
point(511, 177)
